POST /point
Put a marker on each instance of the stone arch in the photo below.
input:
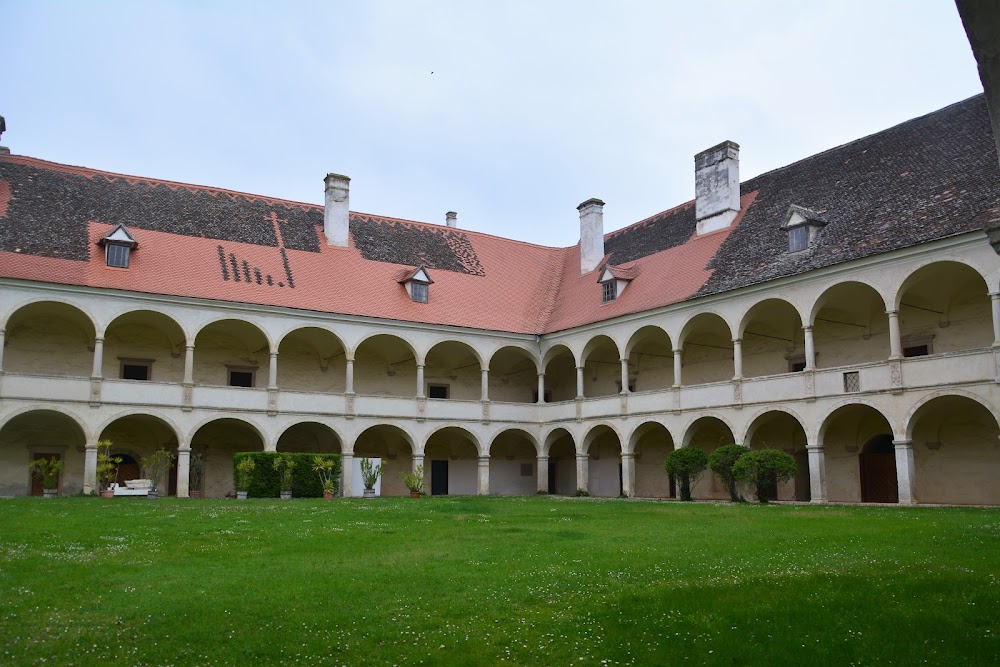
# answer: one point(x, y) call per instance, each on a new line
point(601, 359)
point(257, 429)
point(709, 432)
point(559, 445)
point(216, 319)
point(780, 428)
point(920, 267)
point(312, 358)
point(603, 445)
point(49, 337)
point(53, 300)
point(687, 430)
point(138, 434)
point(908, 419)
point(395, 447)
point(707, 343)
point(514, 375)
point(152, 414)
point(219, 439)
point(559, 365)
point(456, 365)
point(772, 338)
point(62, 411)
point(650, 353)
point(41, 432)
point(230, 352)
point(824, 297)
point(144, 344)
point(514, 430)
point(850, 325)
point(310, 437)
point(753, 422)
point(386, 365)
point(853, 437)
point(452, 453)
point(650, 443)
point(589, 435)
point(694, 319)
point(513, 463)
point(820, 431)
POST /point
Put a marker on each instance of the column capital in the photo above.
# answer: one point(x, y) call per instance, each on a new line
point(347, 455)
point(737, 341)
point(903, 444)
point(993, 295)
point(484, 459)
point(628, 455)
point(184, 450)
point(814, 448)
point(99, 339)
point(892, 313)
point(543, 457)
point(274, 354)
point(189, 347)
point(807, 327)
point(90, 446)
point(542, 374)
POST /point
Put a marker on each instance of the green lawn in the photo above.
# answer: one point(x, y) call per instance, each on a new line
point(467, 581)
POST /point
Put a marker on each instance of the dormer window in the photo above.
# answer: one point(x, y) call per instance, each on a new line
point(614, 279)
point(417, 283)
point(118, 246)
point(802, 225)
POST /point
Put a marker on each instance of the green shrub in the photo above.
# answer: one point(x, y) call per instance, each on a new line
point(685, 465)
point(721, 461)
point(764, 468)
point(265, 481)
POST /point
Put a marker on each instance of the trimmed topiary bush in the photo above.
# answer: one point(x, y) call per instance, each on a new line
point(721, 462)
point(764, 468)
point(265, 481)
point(685, 465)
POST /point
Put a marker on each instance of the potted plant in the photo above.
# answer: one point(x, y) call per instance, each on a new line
point(369, 476)
point(48, 469)
point(107, 469)
point(414, 481)
point(285, 465)
point(154, 467)
point(324, 468)
point(244, 469)
point(196, 474)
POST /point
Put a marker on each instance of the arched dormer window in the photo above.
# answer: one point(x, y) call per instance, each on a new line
point(118, 246)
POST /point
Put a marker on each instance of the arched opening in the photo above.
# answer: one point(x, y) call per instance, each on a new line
point(231, 353)
point(850, 326)
point(453, 371)
point(773, 340)
point(956, 452)
point(844, 436)
point(562, 463)
point(944, 307)
point(651, 444)
point(451, 459)
point(385, 365)
point(49, 338)
point(560, 374)
point(40, 434)
point(312, 359)
point(602, 368)
point(218, 440)
point(134, 437)
point(650, 359)
point(144, 345)
point(780, 430)
point(513, 376)
point(309, 438)
point(708, 434)
point(604, 465)
point(394, 447)
point(513, 464)
point(707, 344)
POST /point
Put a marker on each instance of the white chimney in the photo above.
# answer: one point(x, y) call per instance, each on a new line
point(336, 214)
point(451, 219)
point(717, 186)
point(591, 234)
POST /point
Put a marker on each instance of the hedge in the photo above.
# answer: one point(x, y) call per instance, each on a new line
point(265, 481)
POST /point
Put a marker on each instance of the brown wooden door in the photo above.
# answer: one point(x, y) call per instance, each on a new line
point(878, 478)
point(36, 480)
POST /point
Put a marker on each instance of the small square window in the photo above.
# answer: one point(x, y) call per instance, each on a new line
point(136, 369)
point(419, 292)
point(796, 363)
point(526, 470)
point(852, 382)
point(609, 291)
point(437, 391)
point(798, 238)
point(916, 351)
point(241, 377)
point(117, 255)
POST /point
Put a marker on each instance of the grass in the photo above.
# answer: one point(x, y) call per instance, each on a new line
point(532, 581)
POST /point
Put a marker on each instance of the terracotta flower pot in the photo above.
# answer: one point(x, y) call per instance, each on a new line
point(107, 493)
point(194, 493)
point(327, 495)
point(414, 494)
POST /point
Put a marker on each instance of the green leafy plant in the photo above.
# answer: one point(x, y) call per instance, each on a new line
point(324, 468)
point(265, 481)
point(244, 470)
point(285, 465)
point(370, 472)
point(581, 493)
point(414, 481)
point(721, 462)
point(685, 466)
point(107, 465)
point(48, 469)
point(156, 465)
point(196, 471)
point(763, 469)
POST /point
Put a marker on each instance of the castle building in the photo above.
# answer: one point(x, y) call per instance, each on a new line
point(844, 308)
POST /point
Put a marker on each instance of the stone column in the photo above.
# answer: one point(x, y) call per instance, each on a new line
point(272, 372)
point(994, 302)
point(810, 348)
point(625, 376)
point(1, 350)
point(895, 341)
point(737, 358)
point(90, 468)
point(541, 388)
point(183, 471)
point(97, 372)
point(542, 479)
point(677, 367)
point(817, 474)
point(486, 384)
point(628, 474)
point(420, 380)
point(579, 381)
point(349, 380)
point(582, 471)
point(483, 488)
point(418, 460)
point(189, 365)
point(905, 478)
point(346, 473)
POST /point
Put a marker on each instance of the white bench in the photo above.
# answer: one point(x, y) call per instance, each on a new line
point(125, 491)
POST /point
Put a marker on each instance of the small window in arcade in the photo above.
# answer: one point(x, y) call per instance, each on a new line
point(609, 291)
point(796, 363)
point(136, 369)
point(547, 396)
point(117, 254)
point(798, 238)
point(918, 346)
point(437, 390)
point(419, 291)
point(241, 377)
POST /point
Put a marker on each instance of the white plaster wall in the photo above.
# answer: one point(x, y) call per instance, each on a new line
point(48, 346)
point(136, 341)
point(299, 369)
point(651, 479)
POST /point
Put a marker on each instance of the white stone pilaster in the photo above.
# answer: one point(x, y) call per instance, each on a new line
point(678, 365)
point(995, 305)
point(346, 473)
point(582, 471)
point(541, 388)
point(895, 340)
point(97, 371)
point(737, 358)
point(485, 384)
point(420, 380)
point(579, 381)
point(272, 372)
point(542, 480)
point(483, 488)
point(810, 348)
point(625, 376)
point(628, 474)
point(349, 379)
point(90, 468)
point(905, 480)
point(817, 474)
point(183, 471)
point(189, 365)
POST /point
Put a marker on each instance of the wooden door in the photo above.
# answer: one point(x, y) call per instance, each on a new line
point(878, 478)
point(439, 478)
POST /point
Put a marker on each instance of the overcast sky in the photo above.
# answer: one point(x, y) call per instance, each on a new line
point(511, 113)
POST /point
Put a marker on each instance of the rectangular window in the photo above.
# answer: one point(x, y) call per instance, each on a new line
point(117, 255)
point(852, 382)
point(609, 291)
point(798, 238)
point(419, 292)
point(526, 470)
point(241, 377)
point(548, 396)
point(136, 369)
point(437, 391)
point(796, 363)
point(916, 351)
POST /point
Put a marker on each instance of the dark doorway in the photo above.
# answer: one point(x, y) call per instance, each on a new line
point(803, 492)
point(128, 469)
point(553, 464)
point(439, 478)
point(878, 471)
